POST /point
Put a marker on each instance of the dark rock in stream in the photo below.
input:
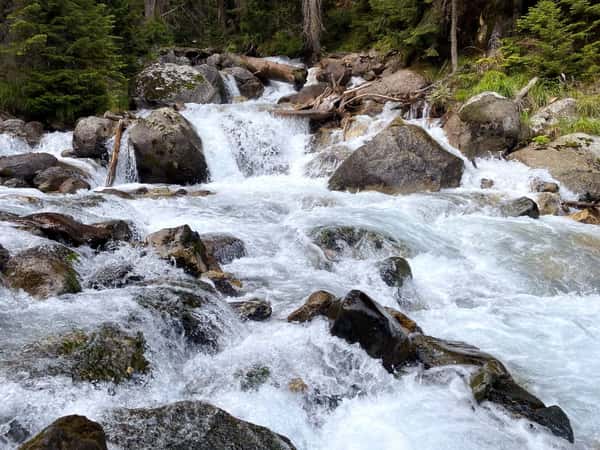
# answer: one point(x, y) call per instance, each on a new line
point(255, 309)
point(395, 271)
point(189, 425)
point(43, 271)
point(249, 85)
point(62, 179)
point(4, 256)
point(91, 135)
point(224, 248)
point(521, 207)
point(69, 433)
point(320, 303)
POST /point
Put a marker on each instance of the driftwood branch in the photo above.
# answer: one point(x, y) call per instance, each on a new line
point(523, 92)
point(581, 205)
point(114, 160)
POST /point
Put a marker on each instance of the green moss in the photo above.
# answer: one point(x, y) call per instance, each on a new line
point(253, 378)
point(587, 125)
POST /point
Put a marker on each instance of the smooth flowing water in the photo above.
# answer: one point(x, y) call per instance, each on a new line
point(525, 290)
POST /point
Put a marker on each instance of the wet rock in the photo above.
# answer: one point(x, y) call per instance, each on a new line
point(194, 315)
point(254, 378)
point(408, 325)
point(224, 282)
point(4, 256)
point(320, 303)
point(539, 185)
point(168, 150)
point(61, 179)
point(361, 319)
point(113, 276)
point(521, 207)
point(297, 385)
point(306, 95)
point(166, 84)
point(395, 271)
point(16, 433)
point(550, 115)
point(117, 193)
point(434, 352)
point(486, 125)
point(590, 216)
point(183, 246)
point(570, 159)
point(334, 72)
point(65, 229)
point(549, 204)
point(249, 85)
point(43, 271)
point(339, 242)
point(119, 230)
point(91, 136)
point(327, 161)
point(402, 159)
point(493, 383)
point(224, 248)
point(69, 433)
point(398, 84)
point(206, 428)
point(486, 183)
point(31, 132)
point(255, 309)
point(26, 166)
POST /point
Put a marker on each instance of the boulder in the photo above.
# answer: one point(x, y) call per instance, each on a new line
point(539, 185)
point(327, 161)
point(571, 159)
point(166, 84)
point(111, 276)
point(206, 428)
point(26, 166)
point(590, 216)
point(339, 242)
point(224, 248)
point(4, 257)
point(550, 115)
point(249, 85)
point(402, 159)
point(523, 206)
point(43, 271)
point(493, 383)
point(69, 433)
point(168, 150)
point(31, 132)
point(256, 309)
point(402, 83)
point(334, 71)
point(486, 125)
point(183, 246)
point(395, 271)
point(306, 95)
point(62, 178)
point(361, 319)
point(119, 230)
point(320, 303)
point(91, 136)
point(549, 204)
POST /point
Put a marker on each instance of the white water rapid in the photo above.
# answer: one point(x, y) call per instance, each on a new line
point(526, 291)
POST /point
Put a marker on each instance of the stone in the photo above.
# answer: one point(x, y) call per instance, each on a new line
point(249, 85)
point(61, 179)
point(256, 310)
point(167, 84)
point(362, 320)
point(4, 257)
point(572, 160)
point(320, 303)
point(183, 246)
point(30, 132)
point(549, 204)
point(43, 271)
point(91, 136)
point(69, 433)
point(26, 166)
point(408, 325)
point(33, 132)
point(402, 83)
point(539, 185)
point(224, 248)
point(395, 271)
point(297, 385)
point(333, 71)
point(190, 425)
point(306, 95)
point(119, 230)
point(254, 378)
point(550, 115)
point(486, 183)
point(113, 276)
point(168, 150)
point(434, 352)
point(523, 206)
point(326, 162)
point(486, 125)
point(590, 216)
point(402, 159)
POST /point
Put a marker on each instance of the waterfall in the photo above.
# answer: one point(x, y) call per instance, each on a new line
point(231, 86)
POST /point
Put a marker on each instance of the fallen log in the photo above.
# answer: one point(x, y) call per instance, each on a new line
point(580, 205)
point(114, 160)
point(305, 113)
point(269, 70)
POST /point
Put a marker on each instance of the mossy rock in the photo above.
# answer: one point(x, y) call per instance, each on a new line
point(69, 433)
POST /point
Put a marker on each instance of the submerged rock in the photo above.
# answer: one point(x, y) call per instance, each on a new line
point(570, 159)
point(249, 85)
point(190, 425)
point(254, 378)
point(167, 84)
point(327, 161)
point(69, 433)
point(63, 179)
point(486, 125)
point(43, 271)
point(91, 135)
point(521, 207)
point(395, 271)
point(4, 257)
point(255, 309)
point(167, 149)
point(320, 303)
point(402, 159)
point(183, 246)
point(224, 248)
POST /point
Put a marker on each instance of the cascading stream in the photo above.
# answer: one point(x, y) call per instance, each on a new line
point(520, 289)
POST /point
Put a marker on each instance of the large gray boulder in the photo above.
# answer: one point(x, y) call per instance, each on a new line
point(166, 84)
point(486, 125)
point(167, 149)
point(402, 159)
point(190, 425)
point(91, 135)
point(571, 159)
point(249, 85)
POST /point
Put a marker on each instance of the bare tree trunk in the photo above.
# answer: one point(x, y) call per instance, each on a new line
point(454, 37)
point(221, 13)
point(154, 8)
point(313, 26)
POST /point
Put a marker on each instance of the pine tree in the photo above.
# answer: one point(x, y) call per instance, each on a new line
point(62, 58)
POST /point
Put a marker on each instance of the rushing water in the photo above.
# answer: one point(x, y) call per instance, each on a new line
point(524, 290)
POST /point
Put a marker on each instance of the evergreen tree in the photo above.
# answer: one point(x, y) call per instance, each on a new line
point(61, 61)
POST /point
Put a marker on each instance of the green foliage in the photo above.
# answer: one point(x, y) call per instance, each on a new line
point(541, 140)
point(492, 80)
point(62, 60)
point(589, 125)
